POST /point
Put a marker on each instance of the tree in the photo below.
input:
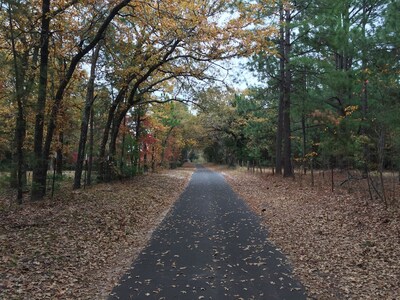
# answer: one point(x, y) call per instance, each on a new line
point(42, 151)
point(23, 49)
point(40, 168)
point(160, 58)
point(87, 112)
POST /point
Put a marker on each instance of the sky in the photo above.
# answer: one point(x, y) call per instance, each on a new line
point(240, 77)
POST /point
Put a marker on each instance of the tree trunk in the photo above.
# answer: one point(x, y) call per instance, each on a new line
point(164, 145)
point(86, 115)
point(381, 166)
point(40, 163)
point(287, 147)
point(279, 131)
point(122, 159)
point(118, 118)
point(20, 126)
point(304, 133)
point(102, 150)
point(303, 125)
point(60, 158)
point(364, 94)
point(145, 166)
point(42, 152)
point(312, 171)
point(137, 137)
point(91, 141)
point(153, 158)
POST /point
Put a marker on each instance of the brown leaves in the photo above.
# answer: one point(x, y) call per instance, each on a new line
point(79, 248)
point(339, 247)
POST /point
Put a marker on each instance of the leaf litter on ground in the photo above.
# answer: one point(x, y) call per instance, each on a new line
point(78, 245)
point(340, 245)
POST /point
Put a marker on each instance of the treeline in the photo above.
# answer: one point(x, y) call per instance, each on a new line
point(79, 71)
point(90, 84)
point(328, 98)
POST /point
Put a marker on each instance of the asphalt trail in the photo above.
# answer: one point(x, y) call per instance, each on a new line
point(210, 246)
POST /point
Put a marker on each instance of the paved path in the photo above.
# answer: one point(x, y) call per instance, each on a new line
point(209, 247)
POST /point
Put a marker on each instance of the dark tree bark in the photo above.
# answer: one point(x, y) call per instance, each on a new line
point(116, 115)
point(42, 152)
point(153, 158)
point(304, 134)
point(287, 147)
point(106, 133)
point(85, 119)
point(279, 131)
point(40, 164)
point(134, 97)
point(165, 143)
point(60, 156)
point(91, 141)
point(138, 132)
point(364, 94)
point(115, 130)
point(20, 127)
point(122, 158)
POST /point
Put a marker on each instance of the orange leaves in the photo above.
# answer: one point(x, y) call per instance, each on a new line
point(326, 116)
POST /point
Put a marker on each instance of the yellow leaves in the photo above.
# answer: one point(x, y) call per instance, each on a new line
point(349, 110)
point(311, 154)
point(192, 143)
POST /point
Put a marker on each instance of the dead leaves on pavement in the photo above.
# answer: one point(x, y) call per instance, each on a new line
point(340, 247)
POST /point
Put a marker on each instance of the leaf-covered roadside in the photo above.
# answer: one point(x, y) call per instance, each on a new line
point(340, 247)
point(78, 246)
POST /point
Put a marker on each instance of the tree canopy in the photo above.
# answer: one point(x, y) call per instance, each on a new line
point(118, 88)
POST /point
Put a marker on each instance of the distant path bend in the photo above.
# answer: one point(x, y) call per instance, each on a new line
point(210, 246)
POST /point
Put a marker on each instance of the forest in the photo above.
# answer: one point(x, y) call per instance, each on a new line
point(112, 89)
point(106, 107)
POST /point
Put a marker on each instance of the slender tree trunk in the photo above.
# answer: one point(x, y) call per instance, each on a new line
point(312, 171)
point(287, 146)
point(40, 163)
point(115, 130)
point(303, 130)
point(364, 94)
point(303, 124)
point(137, 137)
point(85, 119)
point(279, 131)
point(20, 139)
point(60, 158)
point(42, 152)
point(122, 159)
point(132, 158)
point(106, 133)
point(153, 158)
point(381, 167)
point(145, 166)
point(91, 142)
point(164, 145)
point(20, 127)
